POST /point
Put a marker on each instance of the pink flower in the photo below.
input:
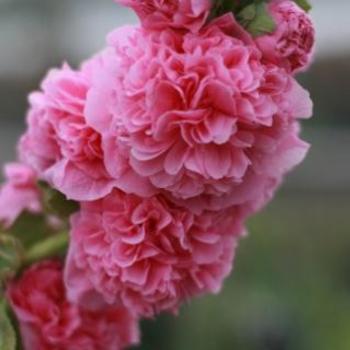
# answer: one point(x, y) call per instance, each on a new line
point(148, 253)
point(48, 321)
point(19, 193)
point(292, 44)
point(58, 143)
point(194, 115)
point(180, 14)
point(260, 185)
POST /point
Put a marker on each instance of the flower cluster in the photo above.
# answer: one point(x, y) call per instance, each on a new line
point(168, 139)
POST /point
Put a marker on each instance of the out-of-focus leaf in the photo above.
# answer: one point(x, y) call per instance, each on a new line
point(247, 15)
point(11, 254)
point(30, 228)
point(13, 319)
point(304, 4)
point(256, 19)
point(7, 332)
point(56, 202)
point(62, 206)
point(221, 7)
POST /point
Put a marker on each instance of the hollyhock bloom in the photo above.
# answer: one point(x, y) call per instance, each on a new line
point(180, 14)
point(58, 143)
point(195, 116)
point(148, 253)
point(19, 193)
point(48, 321)
point(292, 44)
point(275, 151)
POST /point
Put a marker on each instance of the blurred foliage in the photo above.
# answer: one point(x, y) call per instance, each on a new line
point(7, 332)
point(304, 4)
point(256, 19)
point(30, 228)
point(56, 202)
point(290, 288)
point(10, 258)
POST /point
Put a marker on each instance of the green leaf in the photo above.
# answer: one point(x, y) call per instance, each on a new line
point(247, 15)
point(7, 332)
point(221, 7)
point(11, 255)
point(304, 4)
point(30, 228)
point(56, 202)
point(256, 19)
point(61, 205)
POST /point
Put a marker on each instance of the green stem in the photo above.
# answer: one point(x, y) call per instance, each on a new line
point(50, 247)
point(8, 338)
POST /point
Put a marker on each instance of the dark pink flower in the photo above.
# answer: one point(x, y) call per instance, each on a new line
point(19, 193)
point(148, 253)
point(292, 43)
point(49, 322)
point(58, 143)
point(180, 14)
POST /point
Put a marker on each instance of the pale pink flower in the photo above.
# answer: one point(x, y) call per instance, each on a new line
point(48, 321)
point(149, 254)
point(58, 143)
point(194, 116)
point(19, 193)
point(180, 14)
point(292, 44)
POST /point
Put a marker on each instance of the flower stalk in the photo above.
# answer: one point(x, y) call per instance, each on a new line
point(53, 246)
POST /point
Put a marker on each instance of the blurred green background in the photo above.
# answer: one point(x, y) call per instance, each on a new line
point(290, 289)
